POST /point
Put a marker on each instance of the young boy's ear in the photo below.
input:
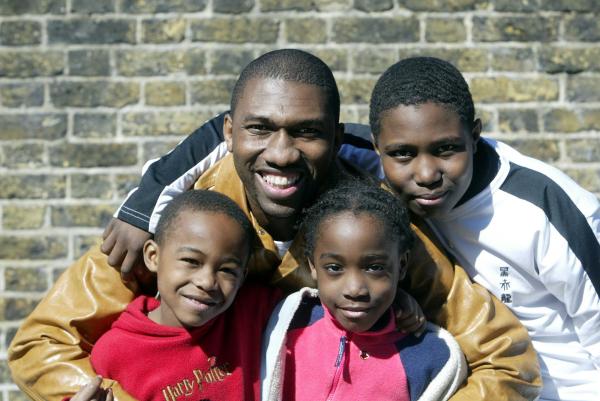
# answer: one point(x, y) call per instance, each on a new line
point(151, 255)
point(374, 142)
point(313, 271)
point(476, 133)
point(228, 131)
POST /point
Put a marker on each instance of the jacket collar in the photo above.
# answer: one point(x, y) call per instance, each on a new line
point(292, 271)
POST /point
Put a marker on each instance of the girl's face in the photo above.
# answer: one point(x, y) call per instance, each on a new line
point(427, 156)
point(357, 267)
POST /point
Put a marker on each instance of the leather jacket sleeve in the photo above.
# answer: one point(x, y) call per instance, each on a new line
point(49, 356)
point(502, 363)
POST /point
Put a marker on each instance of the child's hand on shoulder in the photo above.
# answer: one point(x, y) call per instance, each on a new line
point(93, 391)
point(409, 315)
point(123, 244)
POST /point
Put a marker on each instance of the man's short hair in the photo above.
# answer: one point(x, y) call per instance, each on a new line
point(418, 80)
point(290, 65)
point(201, 201)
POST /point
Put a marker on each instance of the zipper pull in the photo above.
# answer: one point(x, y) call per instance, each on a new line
point(341, 349)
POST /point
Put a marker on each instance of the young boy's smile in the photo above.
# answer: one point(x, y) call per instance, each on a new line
point(427, 156)
point(357, 268)
point(200, 267)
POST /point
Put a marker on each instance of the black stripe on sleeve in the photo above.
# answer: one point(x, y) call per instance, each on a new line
point(562, 213)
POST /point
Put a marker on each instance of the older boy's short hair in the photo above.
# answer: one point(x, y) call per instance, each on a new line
point(358, 197)
point(290, 65)
point(418, 80)
point(201, 201)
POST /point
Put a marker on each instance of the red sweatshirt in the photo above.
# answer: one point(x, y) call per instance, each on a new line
point(217, 361)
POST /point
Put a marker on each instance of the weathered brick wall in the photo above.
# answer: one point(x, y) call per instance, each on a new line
point(90, 89)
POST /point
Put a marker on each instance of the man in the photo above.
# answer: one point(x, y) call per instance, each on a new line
point(283, 134)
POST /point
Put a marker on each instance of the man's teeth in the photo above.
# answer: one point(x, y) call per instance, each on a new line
point(281, 181)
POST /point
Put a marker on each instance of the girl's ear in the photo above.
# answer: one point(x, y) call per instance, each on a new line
point(313, 271)
point(151, 251)
point(403, 266)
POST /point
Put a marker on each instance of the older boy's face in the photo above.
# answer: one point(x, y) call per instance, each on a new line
point(427, 156)
point(284, 141)
point(200, 267)
point(357, 268)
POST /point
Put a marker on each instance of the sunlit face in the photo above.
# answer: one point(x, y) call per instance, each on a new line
point(357, 268)
point(284, 141)
point(200, 267)
point(427, 156)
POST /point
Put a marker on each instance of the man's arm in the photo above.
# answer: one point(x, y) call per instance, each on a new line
point(49, 356)
point(503, 365)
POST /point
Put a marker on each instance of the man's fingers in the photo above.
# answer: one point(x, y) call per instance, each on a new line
point(109, 228)
point(117, 254)
point(109, 395)
point(128, 265)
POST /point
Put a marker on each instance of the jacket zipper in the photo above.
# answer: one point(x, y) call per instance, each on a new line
point(338, 367)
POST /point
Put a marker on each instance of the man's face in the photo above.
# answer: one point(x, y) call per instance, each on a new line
point(427, 156)
point(357, 266)
point(200, 267)
point(284, 140)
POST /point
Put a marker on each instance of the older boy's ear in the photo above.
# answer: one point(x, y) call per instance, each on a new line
point(403, 266)
point(228, 131)
point(476, 133)
point(151, 255)
point(313, 271)
point(339, 136)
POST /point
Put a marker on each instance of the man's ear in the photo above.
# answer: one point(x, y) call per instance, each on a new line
point(151, 251)
point(313, 271)
point(403, 266)
point(228, 131)
point(476, 133)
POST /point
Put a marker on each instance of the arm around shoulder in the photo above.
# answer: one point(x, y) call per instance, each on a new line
point(49, 356)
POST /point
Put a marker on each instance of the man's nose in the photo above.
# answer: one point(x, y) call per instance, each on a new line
point(281, 149)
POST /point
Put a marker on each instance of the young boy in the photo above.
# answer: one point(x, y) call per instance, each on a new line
point(340, 342)
point(521, 228)
point(201, 337)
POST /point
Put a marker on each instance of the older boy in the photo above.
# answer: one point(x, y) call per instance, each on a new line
point(521, 228)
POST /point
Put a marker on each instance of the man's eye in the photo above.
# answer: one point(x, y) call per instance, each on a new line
point(257, 129)
point(308, 132)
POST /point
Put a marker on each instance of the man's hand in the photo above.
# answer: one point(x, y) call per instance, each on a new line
point(93, 391)
point(409, 315)
point(123, 243)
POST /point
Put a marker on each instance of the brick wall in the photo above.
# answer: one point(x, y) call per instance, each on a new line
point(91, 89)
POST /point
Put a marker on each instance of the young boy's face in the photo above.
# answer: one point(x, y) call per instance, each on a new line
point(427, 156)
point(200, 267)
point(357, 268)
